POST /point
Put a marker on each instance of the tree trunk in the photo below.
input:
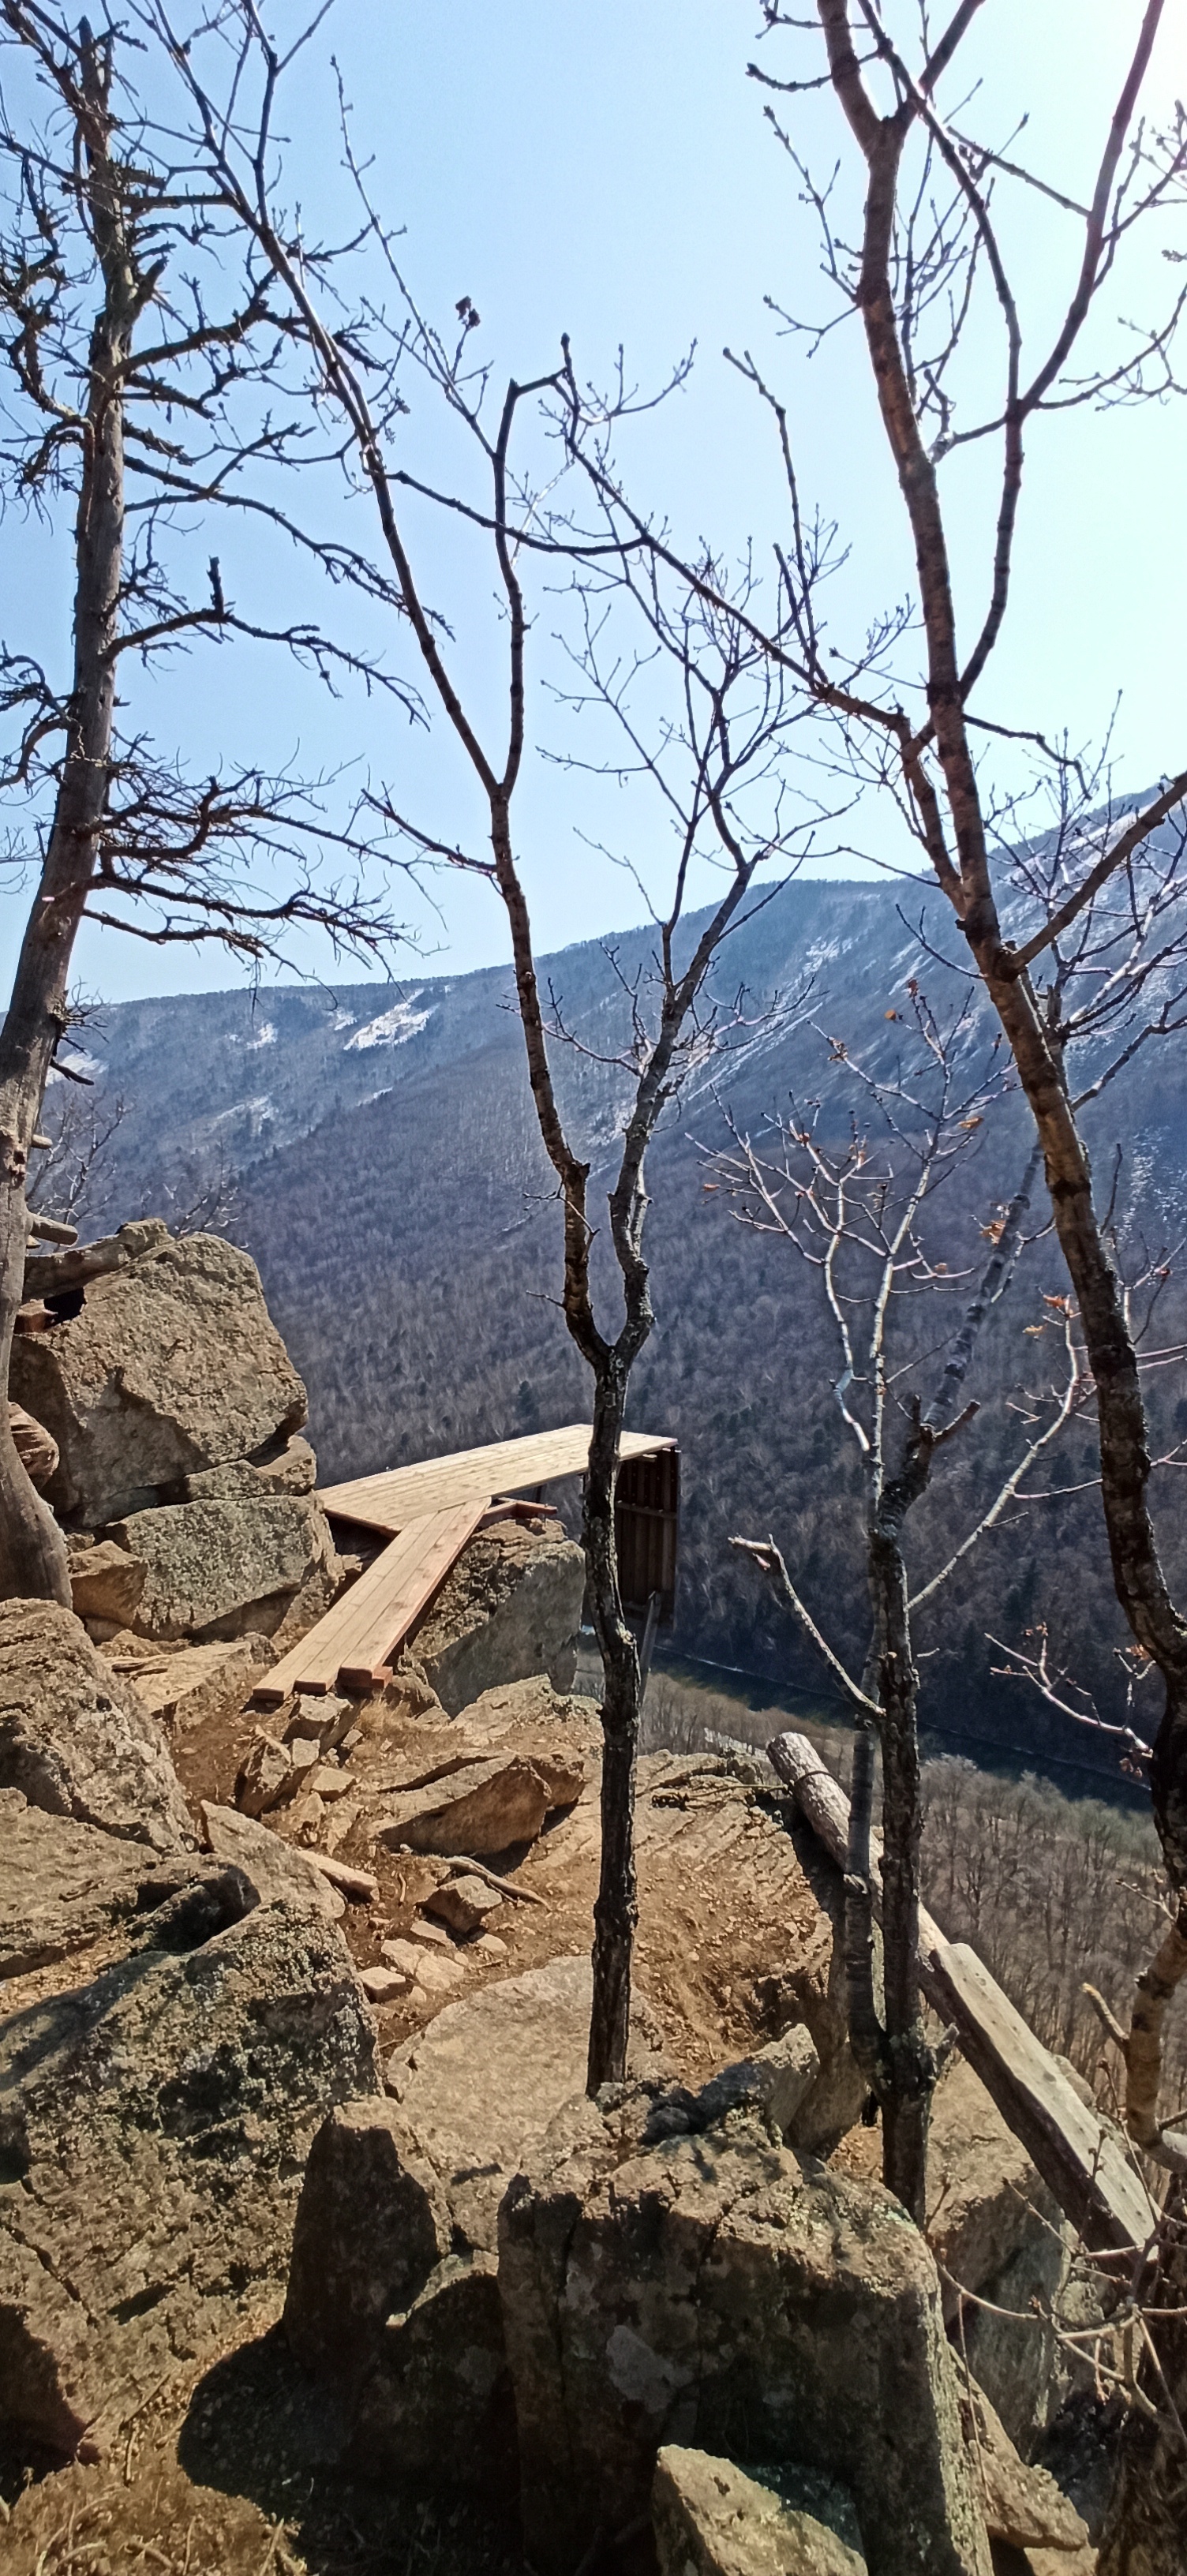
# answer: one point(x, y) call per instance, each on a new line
point(616, 1911)
point(32, 1551)
point(906, 2101)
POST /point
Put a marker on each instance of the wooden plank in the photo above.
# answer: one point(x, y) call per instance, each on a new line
point(443, 1535)
point(1079, 2158)
point(389, 1501)
point(381, 1605)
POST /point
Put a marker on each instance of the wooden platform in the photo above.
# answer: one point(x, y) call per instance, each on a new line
point(351, 1648)
point(390, 1501)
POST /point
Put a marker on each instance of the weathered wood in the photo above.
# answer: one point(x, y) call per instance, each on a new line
point(357, 1884)
point(389, 1501)
point(1080, 2159)
point(350, 1648)
point(468, 1868)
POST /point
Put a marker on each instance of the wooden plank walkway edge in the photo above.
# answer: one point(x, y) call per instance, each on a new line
point(400, 1494)
point(350, 1648)
point(1078, 2154)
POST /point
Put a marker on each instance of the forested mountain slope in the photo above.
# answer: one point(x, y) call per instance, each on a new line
point(392, 1188)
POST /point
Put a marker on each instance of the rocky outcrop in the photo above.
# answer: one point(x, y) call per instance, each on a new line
point(491, 2072)
point(172, 1365)
point(75, 1739)
point(1022, 2506)
point(714, 2290)
point(154, 2129)
point(223, 1567)
point(996, 2229)
point(193, 1686)
point(276, 1869)
point(481, 1807)
point(510, 1608)
point(711, 2519)
point(62, 1885)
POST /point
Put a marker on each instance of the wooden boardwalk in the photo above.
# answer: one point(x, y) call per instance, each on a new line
point(351, 1648)
point(388, 1502)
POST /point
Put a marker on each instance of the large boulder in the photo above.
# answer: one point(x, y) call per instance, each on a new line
point(997, 2232)
point(715, 2290)
point(74, 1737)
point(278, 1870)
point(62, 1885)
point(396, 2319)
point(155, 2126)
point(510, 1607)
point(229, 1566)
point(711, 2519)
point(482, 1806)
point(490, 2073)
point(171, 1365)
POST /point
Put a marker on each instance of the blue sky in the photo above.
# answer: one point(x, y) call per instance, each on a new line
point(607, 171)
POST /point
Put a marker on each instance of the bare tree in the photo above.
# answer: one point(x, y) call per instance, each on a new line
point(926, 272)
point(716, 767)
point(868, 1218)
point(140, 352)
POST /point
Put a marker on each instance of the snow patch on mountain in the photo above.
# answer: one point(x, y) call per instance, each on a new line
point(392, 1028)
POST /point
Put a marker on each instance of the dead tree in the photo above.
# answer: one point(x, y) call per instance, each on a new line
point(714, 765)
point(925, 270)
point(862, 1217)
point(140, 349)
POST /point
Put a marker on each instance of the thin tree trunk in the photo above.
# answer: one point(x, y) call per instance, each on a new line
point(616, 1911)
point(911, 2067)
point(32, 1551)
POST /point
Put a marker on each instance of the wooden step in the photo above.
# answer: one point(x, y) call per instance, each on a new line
point(389, 1501)
point(351, 1648)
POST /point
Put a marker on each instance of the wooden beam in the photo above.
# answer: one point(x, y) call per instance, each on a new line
point(389, 1501)
point(351, 1647)
point(1078, 2155)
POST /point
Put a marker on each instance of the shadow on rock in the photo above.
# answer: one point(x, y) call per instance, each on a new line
point(259, 2427)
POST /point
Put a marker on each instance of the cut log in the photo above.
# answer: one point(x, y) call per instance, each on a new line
point(1081, 2160)
point(389, 1502)
point(350, 1649)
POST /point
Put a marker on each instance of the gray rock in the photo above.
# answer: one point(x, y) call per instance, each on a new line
point(1023, 2507)
point(464, 1903)
point(292, 1471)
point(218, 1568)
point(74, 1737)
point(485, 1807)
point(266, 1777)
point(154, 2130)
point(491, 2072)
point(510, 1608)
point(715, 2291)
point(711, 2519)
point(105, 1582)
point(997, 2230)
point(438, 2405)
point(196, 1685)
point(372, 2223)
point(172, 1366)
point(984, 2198)
point(62, 1885)
point(280, 1872)
point(775, 2082)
